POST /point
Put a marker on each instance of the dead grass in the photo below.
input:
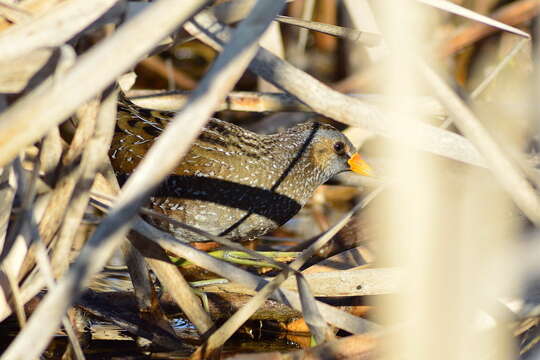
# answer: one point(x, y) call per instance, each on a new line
point(456, 181)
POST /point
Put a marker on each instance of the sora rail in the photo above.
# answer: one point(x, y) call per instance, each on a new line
point(233, 182)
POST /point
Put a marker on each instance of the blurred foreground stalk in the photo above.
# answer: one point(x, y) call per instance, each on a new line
point(448, 235)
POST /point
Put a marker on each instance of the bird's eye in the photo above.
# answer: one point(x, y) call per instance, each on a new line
point(339, 148)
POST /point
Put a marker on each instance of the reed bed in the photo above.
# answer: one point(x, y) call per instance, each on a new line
point(435, 257)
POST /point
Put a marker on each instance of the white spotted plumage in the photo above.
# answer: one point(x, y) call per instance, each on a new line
point(227, 154)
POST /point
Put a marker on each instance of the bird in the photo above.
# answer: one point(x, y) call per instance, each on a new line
point(233, 183)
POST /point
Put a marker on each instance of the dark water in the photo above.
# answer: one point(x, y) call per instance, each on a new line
point(104, 340)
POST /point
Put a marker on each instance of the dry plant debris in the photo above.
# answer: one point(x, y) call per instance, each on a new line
point(444, 107)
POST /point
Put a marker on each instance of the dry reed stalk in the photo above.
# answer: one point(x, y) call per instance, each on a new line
point(51, 152)
point(147, 299)
point(148, 305)
point(507, 173)
point(29, 289)
point(23, 231)
point(167, 273)
point(53, 29)
point(52, 101)
point(237, 320)
point(273, 40)
point(12, 260)
point(48, 105)
point(496, 71)
point(173, 280)
point(68, 178)
point(247, 33)
point(438, 231)
point(363, 37)
point(425, 106)
point(94, 155)
point(340, 107)
point(311, 313)
point(158, 66)
point(362, 17)
point(514, 13)
point(329, 282)
point(308, 8)
point(336, 317)
point(452, 8)
point(355, 258)
point(363, 346)
point(25, 220)
point(10, 288)
point(14, 13)
point(17, 74)
point(7, 194)
point(413, 210)
point(45, 268)
point(32, 8)
point(359, 282)
point(128, 320)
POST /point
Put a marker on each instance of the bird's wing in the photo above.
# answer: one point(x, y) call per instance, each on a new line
point(137, 128)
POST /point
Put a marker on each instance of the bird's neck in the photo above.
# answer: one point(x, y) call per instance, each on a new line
point(295, 175)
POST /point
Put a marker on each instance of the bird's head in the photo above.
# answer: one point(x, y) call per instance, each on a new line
point(330, 152)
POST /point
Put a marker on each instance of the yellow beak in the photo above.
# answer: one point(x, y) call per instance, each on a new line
point(359, 166)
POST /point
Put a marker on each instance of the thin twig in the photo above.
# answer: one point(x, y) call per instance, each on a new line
point(479, 18)
point(500, 66)
point(514, 13)
point(307, 14)
point(362, 37)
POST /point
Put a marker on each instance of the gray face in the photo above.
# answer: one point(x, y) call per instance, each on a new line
point(330, 152)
